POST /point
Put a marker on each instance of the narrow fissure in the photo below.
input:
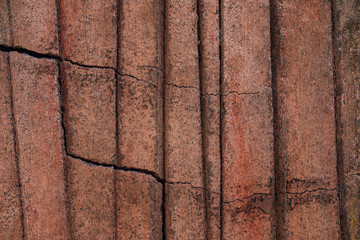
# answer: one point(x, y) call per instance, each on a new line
point(62, 121)
point(279, 166)
point(202, 121)
point(65, 165)
point(34, 54)
point(165, 165)
point(221, 114)
point(117, 92)
point(16, 150)
point(339, 143)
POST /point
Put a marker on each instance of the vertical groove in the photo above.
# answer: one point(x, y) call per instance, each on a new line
point(117, 76)
point(221, 111)
point(164, 198)
point(202, 121)
point(339, 143)
point(69, 222)
point(279, 167)
point(17, 159)
point(65, 164)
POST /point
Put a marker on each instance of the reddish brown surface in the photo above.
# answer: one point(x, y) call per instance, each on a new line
point(347, 65)
point(179, 119)
point(39, 145)
point(88, 32)
point(139, 200)
point(90, 116)
point(183, 155)
point(5, 37)
point(34, 25)
point(247, 140)
point(185, 213)
point(306, 124)
point(140, 87)
point(90, 199)
point(10, 210)
point(210, 84)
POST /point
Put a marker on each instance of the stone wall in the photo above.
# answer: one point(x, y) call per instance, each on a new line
point(179, 119)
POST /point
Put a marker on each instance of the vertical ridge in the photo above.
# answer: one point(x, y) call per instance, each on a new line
point(221, 77)
point(202, 121)
point(339, 143)
point(65, 164)
point(16, 149)
point(117, 159)
point(279, 167)
point(163, 206)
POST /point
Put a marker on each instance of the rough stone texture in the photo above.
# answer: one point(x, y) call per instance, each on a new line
point(169, 107)
point(140, 125)
point(141, 96)
point(352, 203)
point(34, 25)
point(139, 200)
point(347, 65)
point(312, 215)
point(181, 48)
point(5, 36)
point(90, 200)
point(246, 43)
point(10, 208)
point(90, 114)
point(210, 90)
point(183, 146)
point(141, 39)
point(247, 139)
point(186, 213)
point(249, 218)
point(248, 167)
point(88, 32)
point(305, 115)
point(39, 145)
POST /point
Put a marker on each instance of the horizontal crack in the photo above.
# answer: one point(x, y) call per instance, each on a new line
point(122, 168)
point(34, 54)
point(247, 197)
point(49, 56)
point(192, 186)
point(87, 66)
point(137, 79)
point(234, 92)
point(309, 191)
point(174, 85)
point(137, 170)
point(352, 174)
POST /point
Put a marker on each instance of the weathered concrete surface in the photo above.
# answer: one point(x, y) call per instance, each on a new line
point(90, 112)
point(305, 119)
point(138, 206)
point(10, 207)
point(141, 85)
point(90, 194)
point(39, 145)
point(88, 32)
point(247, 137)
point(347, 75)
point(209, 33)
point(34, 25)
